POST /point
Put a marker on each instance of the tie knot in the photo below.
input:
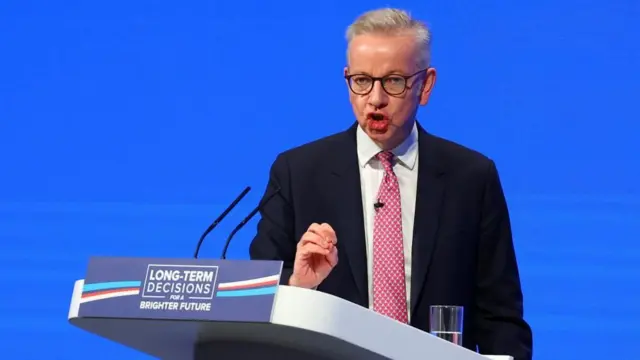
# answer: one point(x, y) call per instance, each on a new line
point(385, 158)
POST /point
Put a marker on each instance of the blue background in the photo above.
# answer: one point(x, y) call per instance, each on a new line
point(126, 127)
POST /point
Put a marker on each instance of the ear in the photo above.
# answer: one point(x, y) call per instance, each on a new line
point(427, 86)
point(346, 72)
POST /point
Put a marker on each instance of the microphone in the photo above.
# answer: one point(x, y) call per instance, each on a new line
point(222, 216)
point(378, 204)
point(246, 220)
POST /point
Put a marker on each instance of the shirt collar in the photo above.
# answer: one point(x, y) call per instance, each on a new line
point(406, 152)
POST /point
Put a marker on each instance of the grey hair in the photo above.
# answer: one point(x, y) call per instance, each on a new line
point(390, 21)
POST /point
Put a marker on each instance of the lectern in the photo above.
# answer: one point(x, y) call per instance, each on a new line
point(234, 309)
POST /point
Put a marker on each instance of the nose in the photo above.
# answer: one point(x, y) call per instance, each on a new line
point(378, 97)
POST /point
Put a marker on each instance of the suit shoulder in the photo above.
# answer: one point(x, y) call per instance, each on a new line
point(457, 157)
point(313, 150)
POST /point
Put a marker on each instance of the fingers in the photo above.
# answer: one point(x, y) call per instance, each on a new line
point(324, 230)
point(311, 248)
point(332, 257)
point(319, 239)
point(313, 238)
point(329, 233)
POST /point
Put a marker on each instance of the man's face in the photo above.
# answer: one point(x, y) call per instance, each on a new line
point(387, 118)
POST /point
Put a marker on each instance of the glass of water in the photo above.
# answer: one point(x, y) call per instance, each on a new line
point(446, 322)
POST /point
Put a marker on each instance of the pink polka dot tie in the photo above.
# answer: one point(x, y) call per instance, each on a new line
point(389, 288)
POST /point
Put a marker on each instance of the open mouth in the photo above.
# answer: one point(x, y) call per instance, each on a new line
point(377, 116)
point(379, 122)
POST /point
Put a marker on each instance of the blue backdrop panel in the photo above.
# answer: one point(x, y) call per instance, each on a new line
point(126, 127)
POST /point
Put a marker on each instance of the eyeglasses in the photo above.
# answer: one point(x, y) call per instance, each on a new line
point(393, 84)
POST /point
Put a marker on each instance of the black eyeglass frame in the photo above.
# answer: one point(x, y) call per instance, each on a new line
point(381, 79)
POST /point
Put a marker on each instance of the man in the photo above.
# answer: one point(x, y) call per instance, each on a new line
point(390, 217)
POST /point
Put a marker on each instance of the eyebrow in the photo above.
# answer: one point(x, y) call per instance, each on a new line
point(391, 72)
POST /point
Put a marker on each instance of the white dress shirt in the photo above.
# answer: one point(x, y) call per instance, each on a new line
point(371, 175)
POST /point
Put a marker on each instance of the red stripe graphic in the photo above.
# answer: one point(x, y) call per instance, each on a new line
point(248, 286)
point(104, 292)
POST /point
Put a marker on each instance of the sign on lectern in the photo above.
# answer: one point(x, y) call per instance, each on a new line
point(215, 290)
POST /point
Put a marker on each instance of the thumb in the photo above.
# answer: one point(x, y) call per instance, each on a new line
point(332, 257)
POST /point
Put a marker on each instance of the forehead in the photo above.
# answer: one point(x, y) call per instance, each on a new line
point(379, 54)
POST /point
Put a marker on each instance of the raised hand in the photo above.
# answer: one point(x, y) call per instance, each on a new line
point(316, 256)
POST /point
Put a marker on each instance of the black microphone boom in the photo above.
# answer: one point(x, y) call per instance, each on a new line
point(246, 220)
point(222, 216)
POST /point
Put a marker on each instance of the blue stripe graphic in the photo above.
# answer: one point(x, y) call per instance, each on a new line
point(248, 292)
point(110, 285)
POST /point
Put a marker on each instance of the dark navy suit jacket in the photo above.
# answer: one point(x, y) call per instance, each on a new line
point(462, 252)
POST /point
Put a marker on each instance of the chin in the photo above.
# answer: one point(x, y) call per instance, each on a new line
point(380, 137)
point(377, 134)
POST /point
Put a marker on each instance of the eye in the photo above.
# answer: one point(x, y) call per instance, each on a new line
point(361, 80)
point(394, 80)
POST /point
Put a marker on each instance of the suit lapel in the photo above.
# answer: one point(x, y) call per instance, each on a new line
point(430, 194)
point(345, 185)
point(344, 181)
